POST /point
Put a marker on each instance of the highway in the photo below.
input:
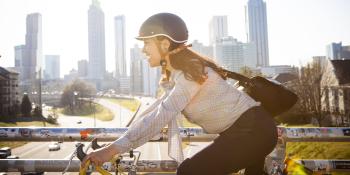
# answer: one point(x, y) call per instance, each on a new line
point(149, 151)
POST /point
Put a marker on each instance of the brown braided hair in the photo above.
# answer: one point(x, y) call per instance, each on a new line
point(191, 63)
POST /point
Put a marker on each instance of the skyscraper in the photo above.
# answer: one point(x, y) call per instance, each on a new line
point(19, 55)
point(249, 54)
point(83, 68)
point(217, 28)
point(256, 22)
point(96, 34)
point(229, 53)
point(52, 66)
point(136, 81)
point(32, 60)
point(202, 49)
point(336, 51)
point(119, 24)
point(144, 79)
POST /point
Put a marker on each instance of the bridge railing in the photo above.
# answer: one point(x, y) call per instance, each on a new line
point(278, 161)
point(275, 160)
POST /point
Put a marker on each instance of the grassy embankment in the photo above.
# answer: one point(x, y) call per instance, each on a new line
point(85, 110)
point(130, 104)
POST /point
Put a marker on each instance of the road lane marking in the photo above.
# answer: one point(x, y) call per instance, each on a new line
point(189, 149)
point(35, 149)
point(159, 153)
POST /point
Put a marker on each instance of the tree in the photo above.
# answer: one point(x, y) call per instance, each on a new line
point(53, 116)
point(26, 106)
point(37, 112)
point(308, 88)
point(83, 90)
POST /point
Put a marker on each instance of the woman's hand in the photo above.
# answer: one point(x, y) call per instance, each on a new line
point(99, 156)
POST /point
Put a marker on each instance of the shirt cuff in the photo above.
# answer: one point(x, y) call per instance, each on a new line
point(122, 144)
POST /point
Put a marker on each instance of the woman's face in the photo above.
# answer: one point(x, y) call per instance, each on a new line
point(151, 51)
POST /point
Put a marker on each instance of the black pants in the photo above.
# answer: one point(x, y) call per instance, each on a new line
point(242, 146)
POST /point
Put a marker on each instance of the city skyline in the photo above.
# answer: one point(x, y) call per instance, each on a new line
point(297, 30)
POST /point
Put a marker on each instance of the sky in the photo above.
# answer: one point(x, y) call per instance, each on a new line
point(297, 29)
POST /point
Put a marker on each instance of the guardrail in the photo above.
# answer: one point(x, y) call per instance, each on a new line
point(274, 161)
point(278, 161)
point(87, 134)
point(58, 165)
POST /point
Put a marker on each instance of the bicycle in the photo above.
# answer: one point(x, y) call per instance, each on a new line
point(104, 169)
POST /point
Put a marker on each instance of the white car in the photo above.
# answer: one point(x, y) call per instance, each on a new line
point(12, 157)
point(54, 146)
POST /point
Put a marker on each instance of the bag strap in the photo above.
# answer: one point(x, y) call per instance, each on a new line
point(243, 80)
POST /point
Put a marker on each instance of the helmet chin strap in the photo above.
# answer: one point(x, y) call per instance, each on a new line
point(163, 63)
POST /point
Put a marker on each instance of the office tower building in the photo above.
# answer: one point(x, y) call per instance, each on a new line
point(120, 47)
point(256, 22)
point(217, 29)
point(32, 60)
point(52, 67)
point(336, 51)
point(83, 68)
point(229, 53)
point(96, 39)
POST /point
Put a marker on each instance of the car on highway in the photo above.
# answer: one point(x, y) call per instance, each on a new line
point(12, 157)
point(5, 152)
point(54, 146)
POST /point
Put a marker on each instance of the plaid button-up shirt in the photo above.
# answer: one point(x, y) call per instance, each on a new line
point(214, 105)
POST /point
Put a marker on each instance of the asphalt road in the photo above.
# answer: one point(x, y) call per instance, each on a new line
point(149, 151)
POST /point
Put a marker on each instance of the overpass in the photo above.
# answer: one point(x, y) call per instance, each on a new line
point(277, 157)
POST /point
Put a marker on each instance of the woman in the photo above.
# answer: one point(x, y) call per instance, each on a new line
point(196, 88)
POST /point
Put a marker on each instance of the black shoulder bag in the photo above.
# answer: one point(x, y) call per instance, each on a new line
point(274, 97)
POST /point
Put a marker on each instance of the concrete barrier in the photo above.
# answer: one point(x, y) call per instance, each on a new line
point(276, 161)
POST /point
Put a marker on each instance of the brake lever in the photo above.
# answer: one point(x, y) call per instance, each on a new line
point(116, 161)
point(81, 155)
point(95, 145)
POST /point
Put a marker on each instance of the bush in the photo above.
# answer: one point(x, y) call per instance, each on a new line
point(37, 112)
point(51, 119)
point(294, 119)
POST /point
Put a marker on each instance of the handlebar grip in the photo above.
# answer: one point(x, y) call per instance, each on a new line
point(80, 152)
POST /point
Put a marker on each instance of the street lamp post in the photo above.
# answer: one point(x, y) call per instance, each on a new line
point(75, 93)
point(34, 93)
point(120, 116)
point(91, 99)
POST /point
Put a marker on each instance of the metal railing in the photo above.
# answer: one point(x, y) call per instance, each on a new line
point(276, 159)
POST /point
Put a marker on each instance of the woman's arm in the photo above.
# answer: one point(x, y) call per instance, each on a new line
point(149, 125)
point(150, 108)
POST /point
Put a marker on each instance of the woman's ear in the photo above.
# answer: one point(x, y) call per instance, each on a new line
point(165, 44)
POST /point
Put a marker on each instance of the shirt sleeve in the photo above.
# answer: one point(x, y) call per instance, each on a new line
point(150, 108)
point(151, 124)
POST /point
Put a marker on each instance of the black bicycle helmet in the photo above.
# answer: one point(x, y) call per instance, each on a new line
point(164, 24)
